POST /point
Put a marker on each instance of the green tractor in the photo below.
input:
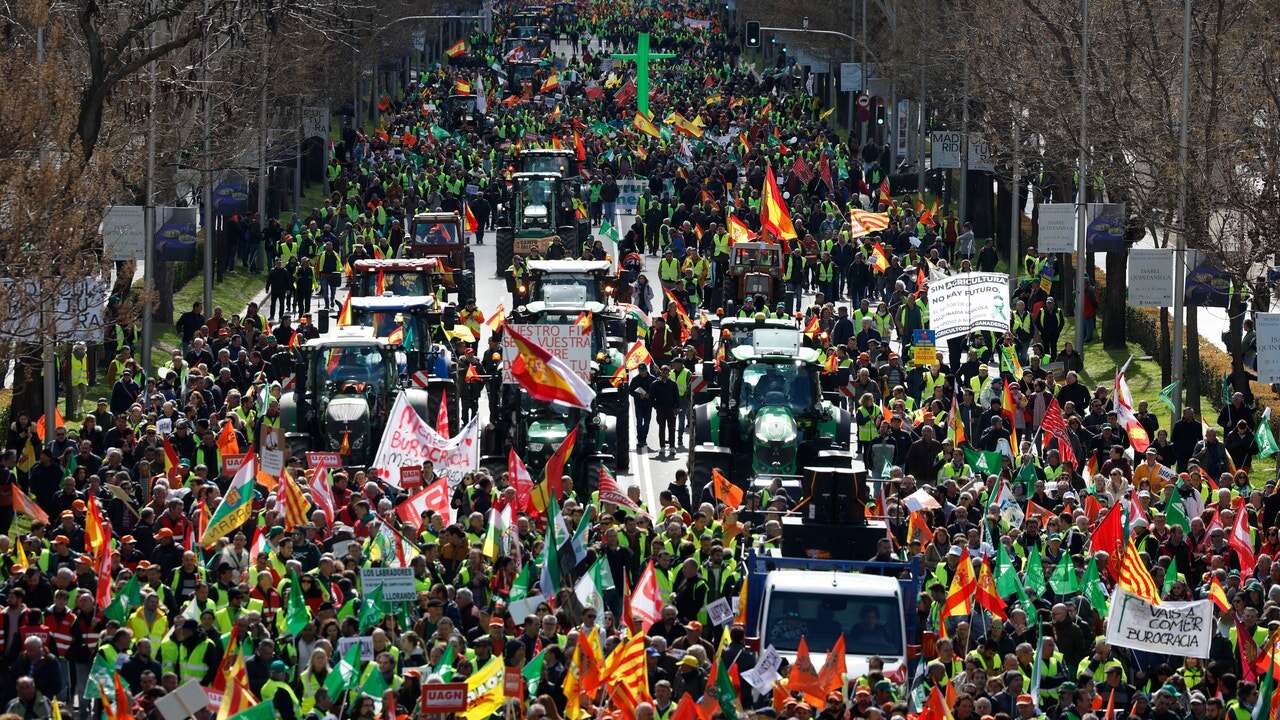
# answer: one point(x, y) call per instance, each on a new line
point(537, 429)
point(539, 208)
point(561, 160)
point(769, 418)
point(345, 386)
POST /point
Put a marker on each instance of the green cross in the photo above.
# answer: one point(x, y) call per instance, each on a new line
point(642, 57)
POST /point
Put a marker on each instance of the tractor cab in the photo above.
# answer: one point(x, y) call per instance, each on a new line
point(729, 333)
point(412, 326)
point(769, 418)
point(440, 235)
point(538, 209)
point(400, 278)
point(521, 70)
point(345, 387)
point(571, 282)
point(460, 112)
point(548, 160)
point(755, 268)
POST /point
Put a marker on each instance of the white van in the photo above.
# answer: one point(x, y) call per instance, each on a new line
point(819, 606)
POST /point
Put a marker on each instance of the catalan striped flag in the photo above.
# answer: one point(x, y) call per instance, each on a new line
point(1134, 576)
point(294, 503)
point(628, 675)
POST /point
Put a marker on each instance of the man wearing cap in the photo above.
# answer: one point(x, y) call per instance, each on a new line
point(278, 691)
point(59, 555)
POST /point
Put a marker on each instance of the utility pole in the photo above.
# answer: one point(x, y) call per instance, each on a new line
point(149, 226)
point(1082, 207)
point(1015, 211)
point(862, 136)
point(964, 148)
point(207, 172)
point(923, 127)
point(48, 324)
point(1180, 250)
point(297, 164)
point(262, 145)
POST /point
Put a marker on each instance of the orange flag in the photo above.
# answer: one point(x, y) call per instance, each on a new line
point(803, 678)
point(227, 442)
point(831, 677)
point(725, 491)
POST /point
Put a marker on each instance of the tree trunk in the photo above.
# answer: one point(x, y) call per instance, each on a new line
point(1113, 307)
point(1235, 323)
point(1002, 226)
point(162, 311)
point(28, 383)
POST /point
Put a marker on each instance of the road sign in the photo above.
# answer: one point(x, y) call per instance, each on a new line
point(124, 232)
point(864, 101)
point(1056, 228)
point(851, 77)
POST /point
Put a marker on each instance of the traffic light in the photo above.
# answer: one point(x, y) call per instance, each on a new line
point(753, 33)
point(880, 113)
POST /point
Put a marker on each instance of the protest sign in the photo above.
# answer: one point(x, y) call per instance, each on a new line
point(961, 304)
point(409, 441)
point(397, 583)
point(442, 698)
point(1267, 326)
point(324, 459)
point(924, 348)
point(365, 643)
point(762, 676)
point(271, 454)
point(565, 341)
point(719, 611)
point(1184, 629)
point(1056, 228)
point(1151, 277)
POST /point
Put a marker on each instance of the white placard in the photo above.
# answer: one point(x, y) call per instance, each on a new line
point(762, 676)
point(719, 611)
point(396, 583)
point(1267, 326)
point(629, 192)
point(315, 122)
point(521, 609)
point(1056, 228)
point(565, 341)
point(77, 307)
point(124, 234)
point(1184, 629)
point(963, 303)
point(271, 454)
point(365, 643)
point(920, 500)
point(945, 146)
point(185, 701)
point(902, 121)
point(408, 440)
point(1151, 277)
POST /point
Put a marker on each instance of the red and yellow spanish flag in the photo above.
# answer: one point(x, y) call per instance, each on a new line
point(886, 196)
point(1218, 595)
point(644, 125)
point(773, 209)
point(1009, 410)
point(583, 322)
point(551, 84)
point(552, 484)
point(546, 377)
point(171, 460)
point(97, 534)
point(473, 225)
point(344, 317)
point(497, 319)
point(461, 87)
point(879, 260)
point(738, 232)
point(457, 49)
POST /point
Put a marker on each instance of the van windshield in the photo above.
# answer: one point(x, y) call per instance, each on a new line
point(871, 625)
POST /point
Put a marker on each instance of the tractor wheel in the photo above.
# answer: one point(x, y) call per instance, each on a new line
point(702, 460)
point(505, 250)
point(466, 286)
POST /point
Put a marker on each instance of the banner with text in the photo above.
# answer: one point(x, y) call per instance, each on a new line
point(1151, 277)
point(1184, 629)
point(1268, 329)
point(1056, 228)
point(565, 341)
point(963, 303)
point(629, 192)
point(410, 441)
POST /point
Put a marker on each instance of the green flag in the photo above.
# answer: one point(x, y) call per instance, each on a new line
point(374, 685)
point(1263, 436)
point(520, 586)
point(725, 693)
point(298, 615)
point(1034, 573)
point(371, 612)
point(532, 671)
point(1093, 591)
point(1007, 576)
point(343, 676)
point(100, 674)
point(1167, 393)
point(444, 668)
point(1064, 580)
point(987, 463)
point(264, 710)
point(1266, 695)
point(439, 133)
point(129, 597)
point(609, 231)
point(1170, 576)
point(1024, 601)
point(1027, 476)
point(550, 561)
point(1174, 513)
